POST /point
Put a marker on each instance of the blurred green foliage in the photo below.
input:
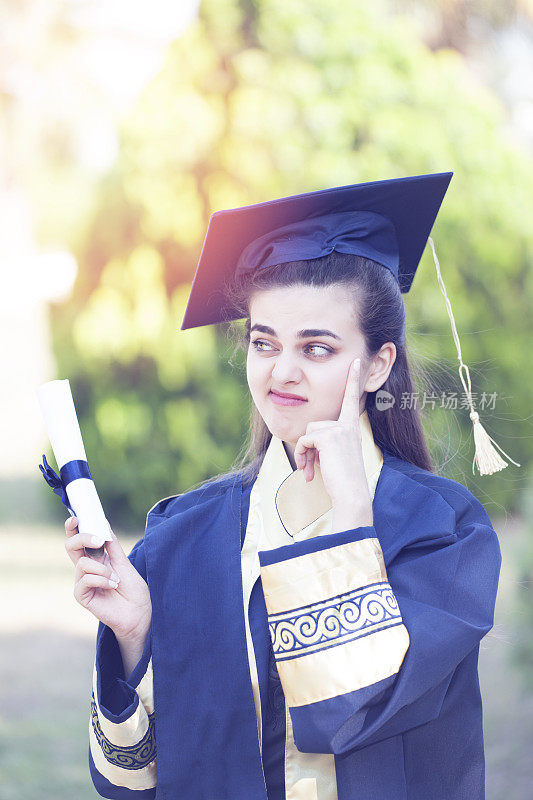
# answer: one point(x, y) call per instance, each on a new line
point(255, 101)
point(522, 607)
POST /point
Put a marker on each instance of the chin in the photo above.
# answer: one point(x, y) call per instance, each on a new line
point(287, 432)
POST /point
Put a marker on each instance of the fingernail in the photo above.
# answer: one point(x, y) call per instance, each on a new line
point(114, 577)
point(97, 541)
point(113, 584)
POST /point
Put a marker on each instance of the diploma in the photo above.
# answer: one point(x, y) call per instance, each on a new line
point(74, 484)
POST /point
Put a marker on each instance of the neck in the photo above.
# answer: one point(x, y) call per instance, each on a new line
point(289, 449)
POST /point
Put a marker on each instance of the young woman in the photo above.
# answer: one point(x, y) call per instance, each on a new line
point(306, 626)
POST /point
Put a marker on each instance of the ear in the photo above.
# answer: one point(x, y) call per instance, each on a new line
point(380, 367)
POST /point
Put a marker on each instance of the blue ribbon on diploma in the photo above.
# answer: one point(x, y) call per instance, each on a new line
point(69, 472)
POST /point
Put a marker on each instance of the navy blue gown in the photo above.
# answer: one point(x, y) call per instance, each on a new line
point(414, 735)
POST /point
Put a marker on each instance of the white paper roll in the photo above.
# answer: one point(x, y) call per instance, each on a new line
point(61, 421)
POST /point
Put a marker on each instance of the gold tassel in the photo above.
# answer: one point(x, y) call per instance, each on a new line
point(487, 459)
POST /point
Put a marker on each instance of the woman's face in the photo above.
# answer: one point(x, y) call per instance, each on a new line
point(302, 342)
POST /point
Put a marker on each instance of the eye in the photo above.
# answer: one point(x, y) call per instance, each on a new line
point(263, 347)
point(327, 350)
point(256, 343)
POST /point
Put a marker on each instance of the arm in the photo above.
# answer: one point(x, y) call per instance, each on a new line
point(131, 650)
point(364, 655)
point(122, 751)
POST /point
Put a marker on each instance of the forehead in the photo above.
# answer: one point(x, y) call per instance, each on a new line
point(289, 308)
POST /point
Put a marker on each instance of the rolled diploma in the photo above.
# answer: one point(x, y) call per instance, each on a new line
point(61, 421)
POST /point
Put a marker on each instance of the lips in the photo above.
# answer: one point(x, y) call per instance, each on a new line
point(286, 394)
point(286, 399)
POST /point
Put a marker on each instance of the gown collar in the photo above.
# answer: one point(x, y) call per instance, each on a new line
point(298, 502)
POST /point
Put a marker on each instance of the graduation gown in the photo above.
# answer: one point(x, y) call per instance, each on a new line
point(284, 508)
point(365, 643)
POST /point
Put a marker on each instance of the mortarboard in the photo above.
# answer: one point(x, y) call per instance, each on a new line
point(387, 221)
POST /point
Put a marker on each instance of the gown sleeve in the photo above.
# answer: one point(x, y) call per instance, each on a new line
point(364, 653)
point(122, 749)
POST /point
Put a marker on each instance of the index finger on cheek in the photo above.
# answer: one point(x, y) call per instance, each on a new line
point(356, 372)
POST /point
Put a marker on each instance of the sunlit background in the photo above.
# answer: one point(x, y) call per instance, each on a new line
point(123, 127)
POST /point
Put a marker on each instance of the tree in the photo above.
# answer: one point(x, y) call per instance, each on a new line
point(255, 101)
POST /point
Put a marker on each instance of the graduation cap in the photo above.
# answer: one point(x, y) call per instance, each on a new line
point(387, 221)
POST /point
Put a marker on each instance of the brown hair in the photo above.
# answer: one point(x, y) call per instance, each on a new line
point(379, 313)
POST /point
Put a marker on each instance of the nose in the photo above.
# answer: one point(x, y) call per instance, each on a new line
point(285, 369)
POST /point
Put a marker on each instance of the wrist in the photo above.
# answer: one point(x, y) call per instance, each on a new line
point(136, 635)
point(131, 651)
point(350, 514)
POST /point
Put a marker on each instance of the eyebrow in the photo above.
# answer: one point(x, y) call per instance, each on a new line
point(307, 333)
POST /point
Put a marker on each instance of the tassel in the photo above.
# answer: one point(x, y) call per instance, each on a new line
point(486, 457)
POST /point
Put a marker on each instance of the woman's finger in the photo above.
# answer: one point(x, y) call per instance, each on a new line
point(305, 443)
point(116, 554)
point(76, 542)
point(71, 526)
point(88, 565)
point(84, 588)
point(350, 402)
point(304, 455)
point(309, 471)
point(320, 425)
point(306, 464)
point(299, 459)
point(316, 460)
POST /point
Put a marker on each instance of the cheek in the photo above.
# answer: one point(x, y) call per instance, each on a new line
point(255, 374)
point(250, 375)
point(332, 395)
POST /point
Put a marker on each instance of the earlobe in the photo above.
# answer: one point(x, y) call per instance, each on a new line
point(376, 383)
point(380, 380)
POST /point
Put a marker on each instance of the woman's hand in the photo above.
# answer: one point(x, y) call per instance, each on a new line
point(336, 446)
point(124, 606)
